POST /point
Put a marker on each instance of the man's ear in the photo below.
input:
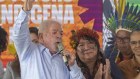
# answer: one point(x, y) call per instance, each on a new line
point(40, 36)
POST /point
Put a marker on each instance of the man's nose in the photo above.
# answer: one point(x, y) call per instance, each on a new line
point(59, 35)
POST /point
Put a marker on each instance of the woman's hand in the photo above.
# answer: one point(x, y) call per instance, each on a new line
point(103, 71)
point(71, 57)
point(107, 70)
point(99, 73)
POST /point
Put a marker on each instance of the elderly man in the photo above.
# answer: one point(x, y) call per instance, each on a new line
point(42, 60)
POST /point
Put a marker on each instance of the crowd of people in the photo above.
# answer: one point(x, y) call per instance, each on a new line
point(38, 55)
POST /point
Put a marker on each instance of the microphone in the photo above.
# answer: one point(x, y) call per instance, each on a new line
point(60, 49)
point(65, 58)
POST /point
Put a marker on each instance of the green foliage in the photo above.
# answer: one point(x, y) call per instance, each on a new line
point(134, 1)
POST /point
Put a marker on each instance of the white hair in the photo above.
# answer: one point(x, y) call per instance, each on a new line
point(47, 23)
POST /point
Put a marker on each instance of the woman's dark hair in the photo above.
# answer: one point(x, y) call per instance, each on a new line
point(3, 39)
point(89, 35)
point(84, 67)
point(83, 33)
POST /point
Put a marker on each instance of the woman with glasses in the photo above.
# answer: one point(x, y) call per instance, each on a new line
point(88, 55)
point(131, 67)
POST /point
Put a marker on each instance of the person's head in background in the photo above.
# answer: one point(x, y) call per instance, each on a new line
point(85, 43)
point(34, 34)
point(135, 42)
point(3, 39)
point(122, 41)
point(50, 35)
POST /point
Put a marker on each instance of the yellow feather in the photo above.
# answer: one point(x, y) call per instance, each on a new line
point(115, 2)
point(123, 7)
point(119, 9)
point(122, 4)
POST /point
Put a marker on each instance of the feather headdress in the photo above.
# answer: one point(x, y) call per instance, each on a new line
point(126, 17)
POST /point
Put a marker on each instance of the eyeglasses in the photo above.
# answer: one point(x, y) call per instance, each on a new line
point(124, 39)
point(134, 43)
point(90, 47)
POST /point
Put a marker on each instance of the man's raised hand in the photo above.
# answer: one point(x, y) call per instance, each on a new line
point(28, 5)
